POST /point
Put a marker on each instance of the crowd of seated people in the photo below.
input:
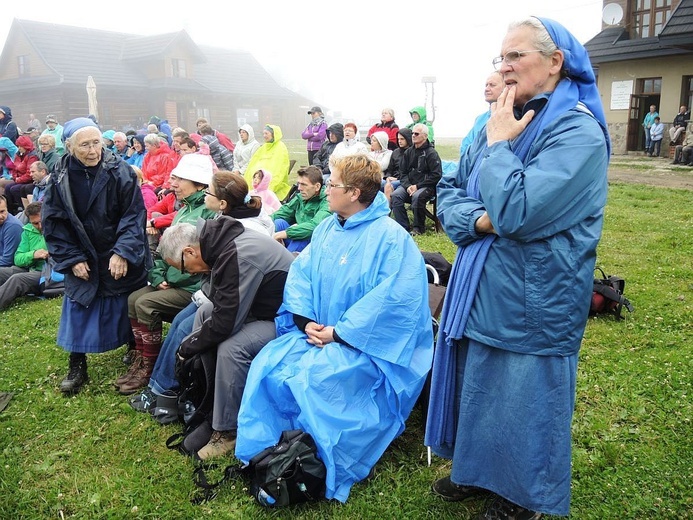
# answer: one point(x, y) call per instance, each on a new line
point(225, 247)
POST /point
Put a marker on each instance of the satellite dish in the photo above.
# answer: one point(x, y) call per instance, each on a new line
point(612, 14)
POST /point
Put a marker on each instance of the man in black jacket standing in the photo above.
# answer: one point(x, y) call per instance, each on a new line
point(419, 174)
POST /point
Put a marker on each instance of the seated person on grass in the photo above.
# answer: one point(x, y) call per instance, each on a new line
point(295, 221)
point(10, 235)
point(247, 272)
point(28, 259)
point(357, 341)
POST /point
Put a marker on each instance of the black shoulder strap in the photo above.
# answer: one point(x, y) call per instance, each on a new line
point(208, 491)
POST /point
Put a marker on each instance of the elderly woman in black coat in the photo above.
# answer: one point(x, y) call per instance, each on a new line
point(94, 221)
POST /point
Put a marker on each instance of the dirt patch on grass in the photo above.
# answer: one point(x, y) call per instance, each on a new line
point(650, 171)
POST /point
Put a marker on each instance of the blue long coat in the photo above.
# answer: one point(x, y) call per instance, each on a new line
point(113, 222)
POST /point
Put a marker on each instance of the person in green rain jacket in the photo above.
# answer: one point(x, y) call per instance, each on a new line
point(418, 115)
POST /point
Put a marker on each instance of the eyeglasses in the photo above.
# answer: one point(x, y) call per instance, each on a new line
point(87, 145)
point(207, 192)
point(416, 133)
point(182, 261)
point(510, 58)
point(329, 185)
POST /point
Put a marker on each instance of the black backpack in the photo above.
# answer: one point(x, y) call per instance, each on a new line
point(287, 473)
point(440, 264)
point(607, 295)
point(195, 402)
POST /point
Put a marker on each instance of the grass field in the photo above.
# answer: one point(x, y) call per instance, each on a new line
point(91, 456)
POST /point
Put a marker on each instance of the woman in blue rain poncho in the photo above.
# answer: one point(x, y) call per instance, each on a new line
point(357, 339)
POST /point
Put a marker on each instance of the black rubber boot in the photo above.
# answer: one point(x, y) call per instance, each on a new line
point(76, 376)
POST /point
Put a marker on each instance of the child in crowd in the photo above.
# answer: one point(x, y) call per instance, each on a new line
point(261, 182)
point(148, 193)
point(656, 134)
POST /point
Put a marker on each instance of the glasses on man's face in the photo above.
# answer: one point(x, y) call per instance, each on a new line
point(510, 58)
point(329, 185)
point(182, 261)
point(416, 133)
point(96, 144)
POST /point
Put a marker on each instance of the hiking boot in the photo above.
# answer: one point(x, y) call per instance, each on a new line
point(502, 509)
point(221, 443)
point(76, 376)
point(134, 366)
point(451, 492)
point(140, 376)
point(129, 355)
point(144, 402)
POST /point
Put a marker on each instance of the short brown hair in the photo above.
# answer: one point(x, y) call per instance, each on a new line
point(205, 130)
point(312, 173)
point(362, 172)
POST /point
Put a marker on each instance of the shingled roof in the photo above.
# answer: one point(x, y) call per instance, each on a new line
point(111, 58)
point(614, 43)
point(678, 31)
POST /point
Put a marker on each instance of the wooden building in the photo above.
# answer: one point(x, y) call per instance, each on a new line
point(643, 56)
point(44, 70)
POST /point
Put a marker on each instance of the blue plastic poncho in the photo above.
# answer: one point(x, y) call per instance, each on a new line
point(368, 280)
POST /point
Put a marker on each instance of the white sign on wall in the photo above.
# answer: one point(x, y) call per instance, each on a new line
point(620, 94)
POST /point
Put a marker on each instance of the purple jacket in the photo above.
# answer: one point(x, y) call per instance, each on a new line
point(315, 134)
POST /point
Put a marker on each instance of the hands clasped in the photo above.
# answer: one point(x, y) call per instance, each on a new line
point(319, 335)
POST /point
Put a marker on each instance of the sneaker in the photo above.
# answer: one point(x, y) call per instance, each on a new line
point(502, 509)
point(221, 443)
point(144, 402)
point(451, 492)
point(416, 232)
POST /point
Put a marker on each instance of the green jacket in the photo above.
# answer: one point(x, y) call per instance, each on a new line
point(422, 119)
point(306, 214)
point(192, 209)
point(31, 240)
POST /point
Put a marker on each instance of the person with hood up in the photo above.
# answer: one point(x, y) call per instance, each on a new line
point(108, 141)
point(22, 183)
point(387, 124)
point(246, 146)
point(8, 151)
point(261, 182)
point(355, 340)
point(315, 132)
point(100, 247)
point(335, 135)
point(418, 115)
point(135, 153)
point(162, 126)
point(379, 151)
point(8, 128)
point(56, 130)
point(272, 156)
